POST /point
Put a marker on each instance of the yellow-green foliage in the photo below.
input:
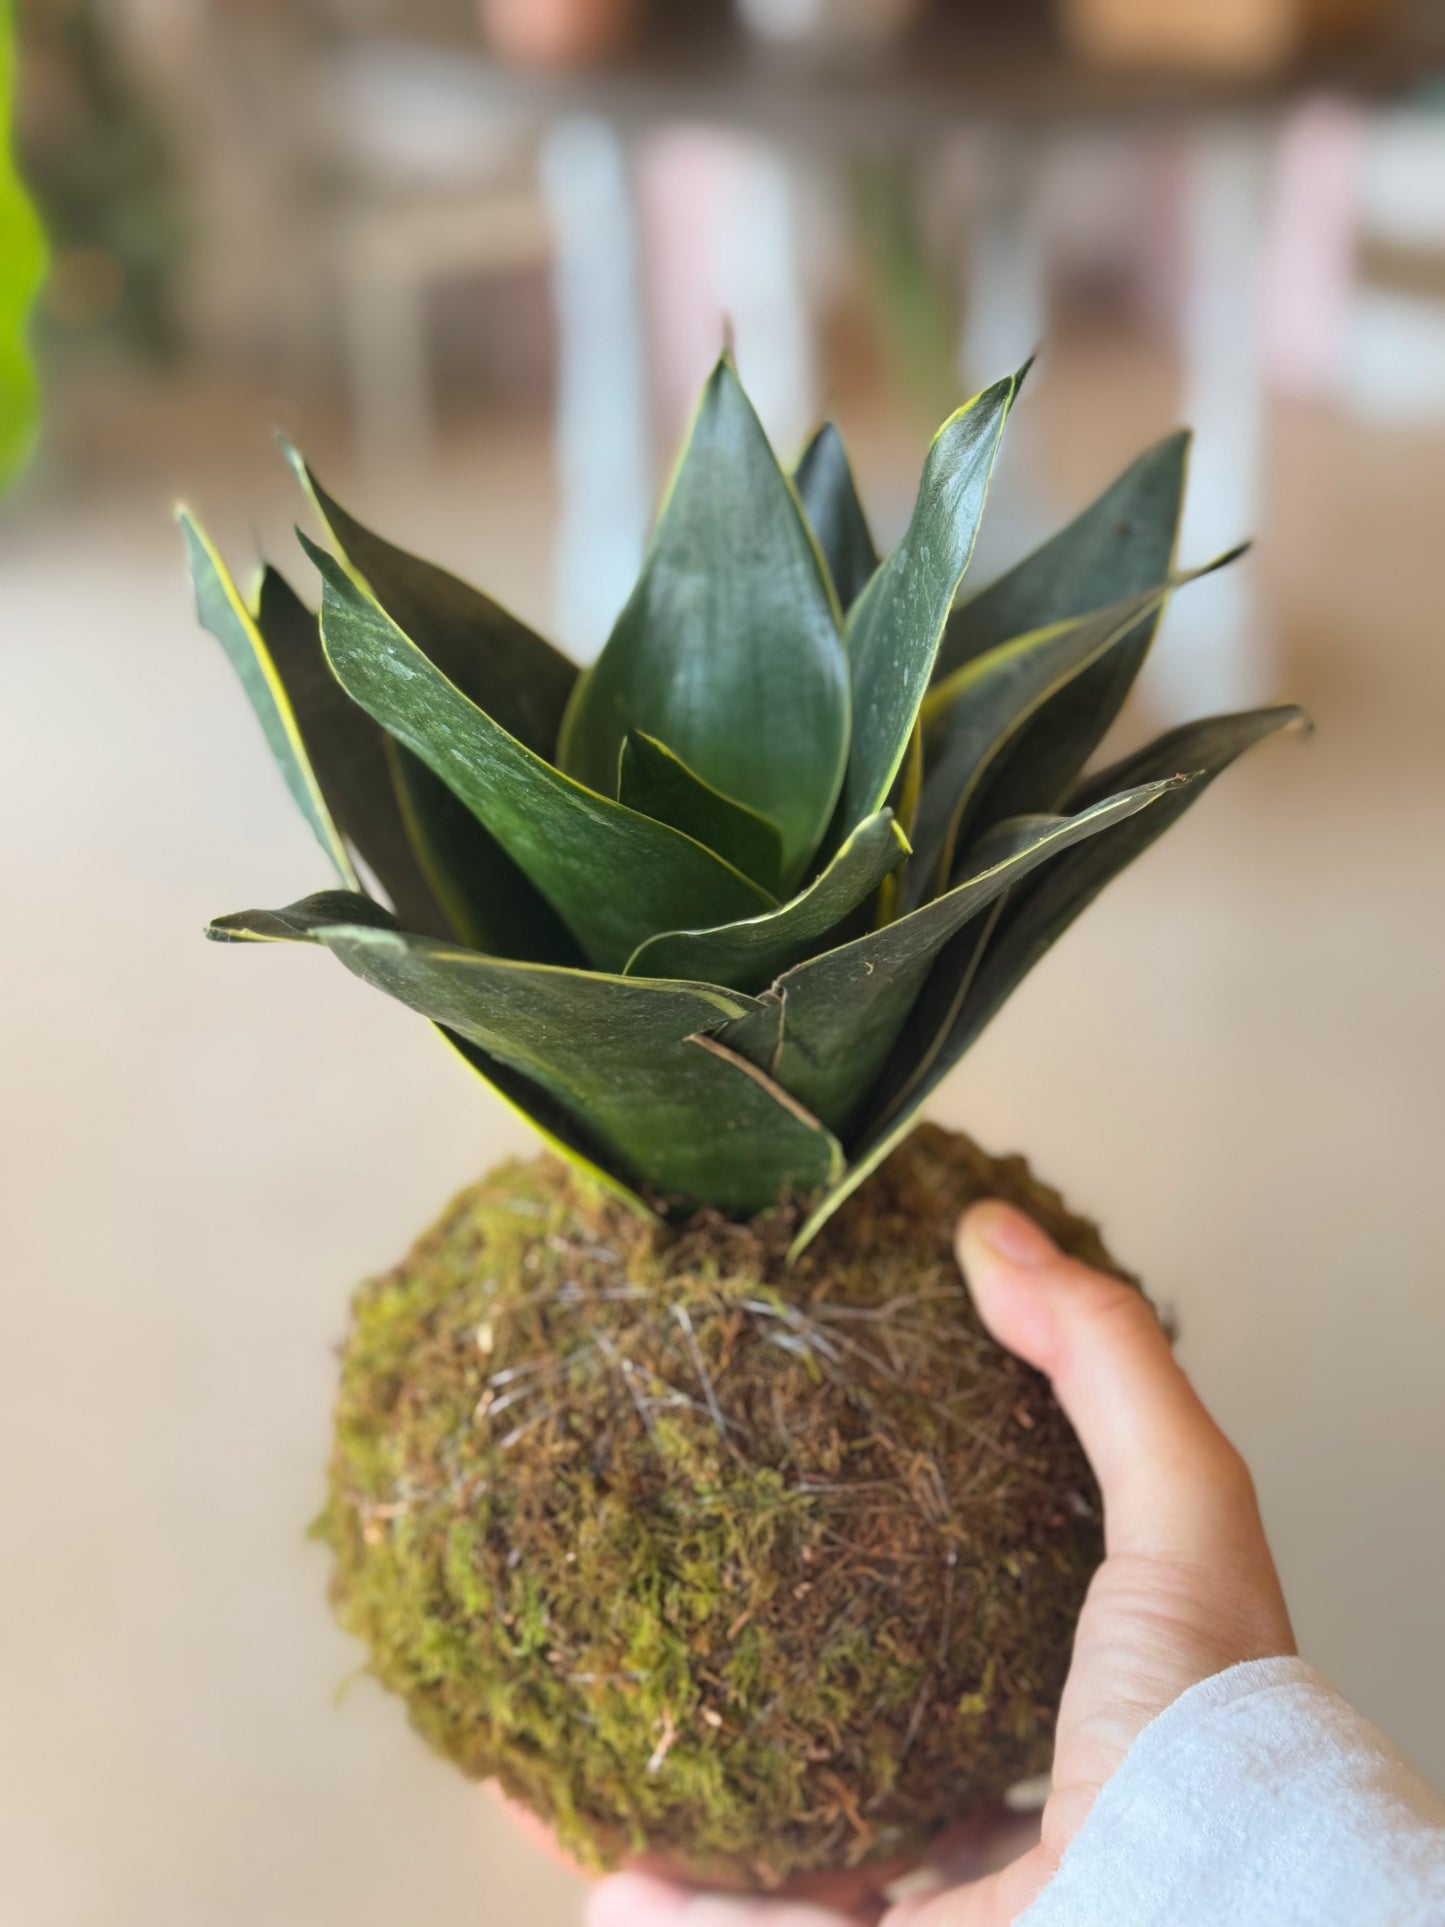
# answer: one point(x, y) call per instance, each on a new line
point(766, 1570)
point(22, 268)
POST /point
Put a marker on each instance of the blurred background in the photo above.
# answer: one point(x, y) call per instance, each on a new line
point(477, 259)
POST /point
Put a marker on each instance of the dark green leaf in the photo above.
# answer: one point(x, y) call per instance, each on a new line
point(489, 902)
point(348, 753)
point(749, 954)
point(894, 627)
point(943, 1026)
point(825, 485)
point(907, 793)
point(615, 878)
point(842, 1011)
point(299, 922)
point(970, 718)
point(559, 1130)
point(497, 662)
point(629, 1059)
point(982, 706)
point(506, 669)
point(1208, 746)
point(651, 780)
point(728, 649)
point(443, 873)
point(1120, 546)
point(223, 612)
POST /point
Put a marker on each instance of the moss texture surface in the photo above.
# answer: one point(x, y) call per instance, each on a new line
point(767, 1570)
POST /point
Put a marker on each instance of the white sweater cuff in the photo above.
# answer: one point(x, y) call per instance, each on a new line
point(1260, 1798)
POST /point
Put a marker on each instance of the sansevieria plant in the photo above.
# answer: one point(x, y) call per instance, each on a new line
point(675, 1483)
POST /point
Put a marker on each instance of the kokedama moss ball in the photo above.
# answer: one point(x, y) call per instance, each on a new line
point(765, 1569)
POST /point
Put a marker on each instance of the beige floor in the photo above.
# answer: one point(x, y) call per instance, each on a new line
point(1236, 1060)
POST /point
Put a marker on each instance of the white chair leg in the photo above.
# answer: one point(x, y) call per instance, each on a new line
point(383, 318)
point(1005, 294)
point(603, 453)
point(1216, 654)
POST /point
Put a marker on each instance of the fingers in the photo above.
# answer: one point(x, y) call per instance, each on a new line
point(1173, 1485)
point(639, 1900)
point(1188, 1587)
point(995, 1902)
point(989, 1838)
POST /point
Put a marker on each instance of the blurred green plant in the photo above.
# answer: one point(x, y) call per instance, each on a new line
point(911, 304)
point(94, 141)
point(22, 270)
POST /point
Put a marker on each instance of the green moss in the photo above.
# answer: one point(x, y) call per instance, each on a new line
point(763, 1569)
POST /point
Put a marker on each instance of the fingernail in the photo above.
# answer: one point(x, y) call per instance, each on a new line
point(635, 1900)
point(1012, 1234)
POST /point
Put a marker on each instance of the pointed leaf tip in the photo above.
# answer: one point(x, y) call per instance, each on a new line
point(728, 648)
point(294, 460)
point(1223, 561)
point(222, 611)
point(656, 783)
point(1121, 545)
point(355, 763)
point(973, 720)
point(895, 627)
point(828, 492)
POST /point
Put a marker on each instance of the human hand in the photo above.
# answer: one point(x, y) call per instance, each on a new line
point(1187, 1587)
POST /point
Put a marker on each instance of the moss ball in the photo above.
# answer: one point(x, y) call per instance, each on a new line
point(764, 1569)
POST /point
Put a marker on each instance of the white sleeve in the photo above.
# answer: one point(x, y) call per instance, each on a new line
point(1260, 1798)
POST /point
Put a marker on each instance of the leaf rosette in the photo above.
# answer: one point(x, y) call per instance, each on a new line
point(719, 913)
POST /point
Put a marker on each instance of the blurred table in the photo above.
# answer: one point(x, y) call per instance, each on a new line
point(693, 62)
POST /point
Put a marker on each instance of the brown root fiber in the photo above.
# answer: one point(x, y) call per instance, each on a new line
point(765, 1569)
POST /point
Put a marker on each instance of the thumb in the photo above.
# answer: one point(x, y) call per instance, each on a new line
point(1173, 1485)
